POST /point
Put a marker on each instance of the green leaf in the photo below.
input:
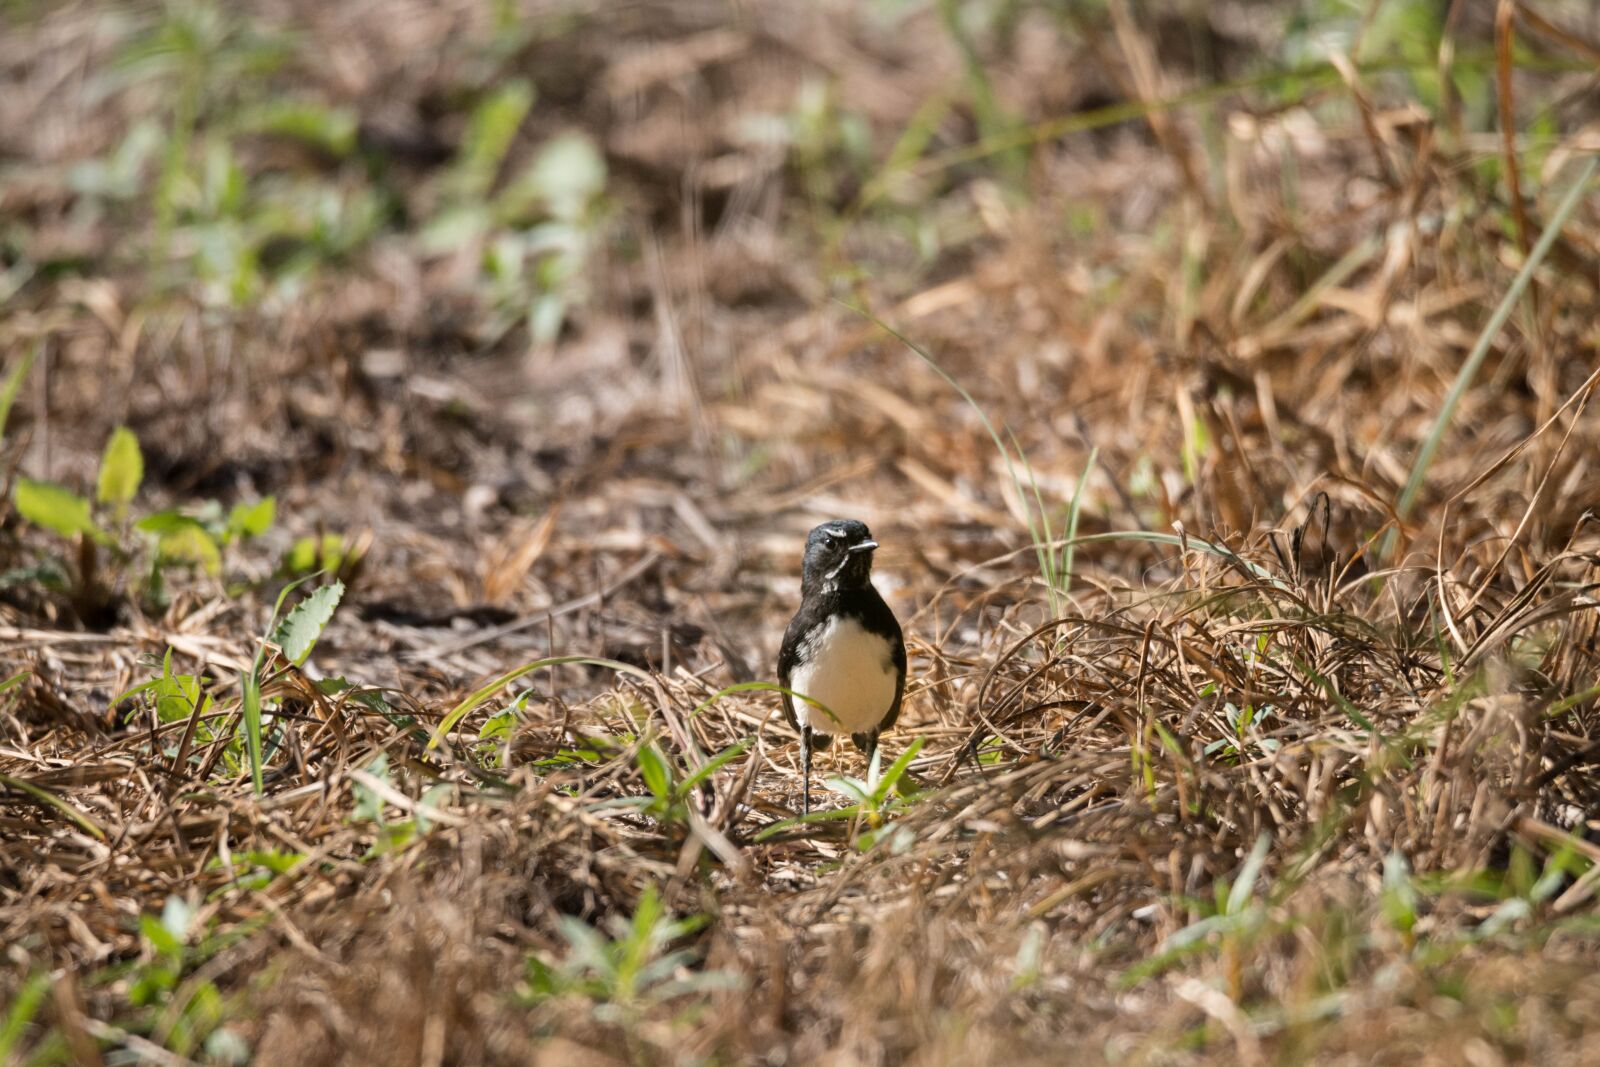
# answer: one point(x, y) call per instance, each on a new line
point(121, 471)
point(61, 510)
point(159, 937)
point(461, 710)
point(250, 709)
point(567, 176)
point(1239, 896)
point(21, 1012)
point(331, 129)
point(657, 772)
point(252, 520)
point(454, 227)
point(311, 554)
point(8, 392)
point(896, 770)
point(368, 804)
point(189, 543)
point(54, 801)
point(298, 632)
point(493, 125)
point(14, 681)
point(714, 764)
point(161, 522)
point(827, 815)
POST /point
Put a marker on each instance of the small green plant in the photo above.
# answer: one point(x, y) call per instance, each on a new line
point(165, 540)
point(327, 553)
point(634, 967)
point(21, 1012)
point(671, 787)
point(1233, 922)
point(13, 385)
point(295, 636)
point(185, 1017)
point(371, 802)
point(872, 801)
point(538, 231)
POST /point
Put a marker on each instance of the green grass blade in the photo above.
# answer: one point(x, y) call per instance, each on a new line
point(831, 815)
point(22, 1012)
point(1480, 350)
point(714, 764)
point(14, 681)
point(897, 769)
point(461, 710)
point(250, 708)
point(1074, 509)
point(770, 687)
point(46, 797)
point(8, 392)
point(250, 690)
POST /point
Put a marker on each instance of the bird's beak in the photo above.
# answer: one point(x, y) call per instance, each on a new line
point(865, 546)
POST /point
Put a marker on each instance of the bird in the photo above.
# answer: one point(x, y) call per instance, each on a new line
point(843, 649)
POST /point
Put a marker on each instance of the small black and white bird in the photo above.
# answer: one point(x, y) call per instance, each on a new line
point(843, 648)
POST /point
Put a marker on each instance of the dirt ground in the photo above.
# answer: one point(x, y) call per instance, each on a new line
point(1243, 549)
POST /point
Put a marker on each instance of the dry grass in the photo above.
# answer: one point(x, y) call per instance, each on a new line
point(1314, 783)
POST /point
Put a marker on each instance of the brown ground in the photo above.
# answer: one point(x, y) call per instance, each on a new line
point(1250, 308)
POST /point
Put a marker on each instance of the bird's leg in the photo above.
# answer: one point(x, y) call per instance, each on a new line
point(805, 759)
point(872, 747)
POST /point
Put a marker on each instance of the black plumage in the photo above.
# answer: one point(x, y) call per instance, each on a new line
point(836, 587)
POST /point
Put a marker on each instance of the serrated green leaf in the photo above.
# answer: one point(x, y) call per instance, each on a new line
point(121, 470)
point(55, 508)
point(298, 632)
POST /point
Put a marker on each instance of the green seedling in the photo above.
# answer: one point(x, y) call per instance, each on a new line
point(671, 787)
point(186, 1013)
point(295, 636)
point(165, 540)
point(328, 553)
point(872, 802)
point(538, 231)
point(21, 1012)
point(370, 805)
point(1235, 920)
point(634, 967)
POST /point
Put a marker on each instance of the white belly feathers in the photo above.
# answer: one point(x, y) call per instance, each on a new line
point(848, 669)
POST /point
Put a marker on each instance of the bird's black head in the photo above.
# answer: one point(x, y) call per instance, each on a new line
point(838, 553)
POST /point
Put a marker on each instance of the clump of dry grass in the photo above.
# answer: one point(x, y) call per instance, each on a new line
point(1290, 772)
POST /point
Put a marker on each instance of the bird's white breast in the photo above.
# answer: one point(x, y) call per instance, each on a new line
point(850, 670)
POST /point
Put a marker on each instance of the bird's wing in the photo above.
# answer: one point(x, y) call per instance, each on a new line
point(788, 655)
point(897, 645)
